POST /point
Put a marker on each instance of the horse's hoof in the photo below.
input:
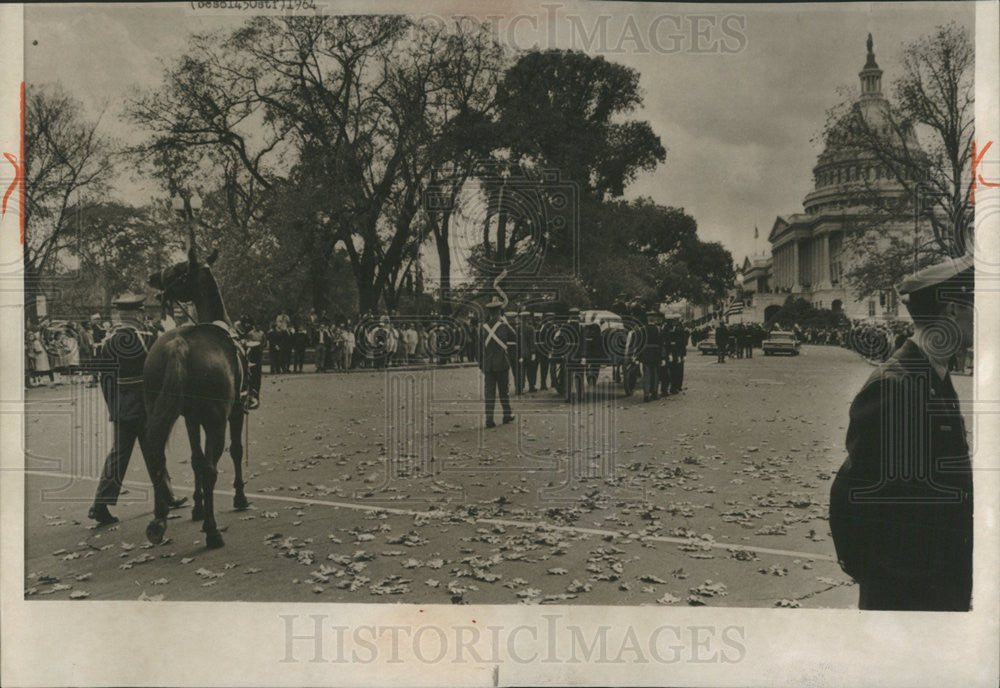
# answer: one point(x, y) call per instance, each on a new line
point(213, 540)
point(155, 530)
point(240, 502)
point(198, 513)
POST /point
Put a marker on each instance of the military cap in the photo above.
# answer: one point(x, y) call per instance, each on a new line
point(953, 273)
point(128, 302)
point(495, 303)
point(654, 314)
point(524, 314)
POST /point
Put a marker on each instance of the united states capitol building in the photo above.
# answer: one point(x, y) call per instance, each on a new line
point(808, 256)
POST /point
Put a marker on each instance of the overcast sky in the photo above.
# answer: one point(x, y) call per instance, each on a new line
point(739, 127)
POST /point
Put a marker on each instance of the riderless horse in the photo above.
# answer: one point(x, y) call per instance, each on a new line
point(195, 371)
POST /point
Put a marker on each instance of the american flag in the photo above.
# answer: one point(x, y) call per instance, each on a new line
point(734, 307)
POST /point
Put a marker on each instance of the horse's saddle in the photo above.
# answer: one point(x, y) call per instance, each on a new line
point(243, 363)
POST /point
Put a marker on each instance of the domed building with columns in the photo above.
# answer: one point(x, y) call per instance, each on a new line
point(809, 257)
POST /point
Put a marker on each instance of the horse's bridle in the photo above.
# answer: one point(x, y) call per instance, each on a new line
point(163, 295)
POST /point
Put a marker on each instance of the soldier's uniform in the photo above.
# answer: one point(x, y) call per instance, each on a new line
point(527, 361)
point(651, 356)
point(496, 340)
point(119, 361)
point(721, 342)
point(677, 351)
point(509, 318)
point(252, 340)
point(901, 504)
point(663, 371)
point(571, 340)
point(542, 342)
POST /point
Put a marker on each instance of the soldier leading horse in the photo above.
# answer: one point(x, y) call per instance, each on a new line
point(195, 371)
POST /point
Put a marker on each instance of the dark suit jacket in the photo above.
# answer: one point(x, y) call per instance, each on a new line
point(119, 362)
point(652, 350)
point(493, 357)
point(525, 341)
point(901, 504)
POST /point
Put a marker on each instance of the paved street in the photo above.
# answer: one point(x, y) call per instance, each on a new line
point(371, 487)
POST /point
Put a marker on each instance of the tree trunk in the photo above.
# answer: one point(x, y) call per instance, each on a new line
point(368, 295)
point(444, 261)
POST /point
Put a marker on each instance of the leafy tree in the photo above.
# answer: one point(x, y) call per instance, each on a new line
point(562, 122)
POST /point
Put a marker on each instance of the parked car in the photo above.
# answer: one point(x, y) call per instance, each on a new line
point(707, 346)
point(779, 342)
point(606, 319)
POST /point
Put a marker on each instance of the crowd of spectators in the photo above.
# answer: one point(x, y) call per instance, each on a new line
point(383, 341)
point(54, 348)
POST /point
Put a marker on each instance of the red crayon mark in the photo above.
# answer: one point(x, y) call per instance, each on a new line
point(976, 159)
point(18, 183)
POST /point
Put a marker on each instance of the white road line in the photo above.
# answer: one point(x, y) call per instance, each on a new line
point(436, 514)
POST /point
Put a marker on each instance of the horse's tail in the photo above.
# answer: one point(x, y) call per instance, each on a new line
point(169, 402)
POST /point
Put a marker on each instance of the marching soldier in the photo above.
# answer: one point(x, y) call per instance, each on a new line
point(677, 352)
point(663, 372)
point(496, 340)
point(119, 361)
point(527, 363)
point(721, 342)
point(650, 356)
point(541, 358)
point(510, 317)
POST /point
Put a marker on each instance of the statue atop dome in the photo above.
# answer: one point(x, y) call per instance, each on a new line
point(871, 75)
point(870, 62)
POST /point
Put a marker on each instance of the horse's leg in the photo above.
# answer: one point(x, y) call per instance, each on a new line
point(153, 443)
point(197, 459)
point(215, 442)
point(236, 421)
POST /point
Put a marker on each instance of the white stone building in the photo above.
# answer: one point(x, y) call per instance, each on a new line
point(808, 254)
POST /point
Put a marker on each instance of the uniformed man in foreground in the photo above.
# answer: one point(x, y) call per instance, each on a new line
point(119, 360)
point(496, 340)
point(901, 505)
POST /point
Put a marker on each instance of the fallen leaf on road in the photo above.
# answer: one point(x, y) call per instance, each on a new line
point(710, 589)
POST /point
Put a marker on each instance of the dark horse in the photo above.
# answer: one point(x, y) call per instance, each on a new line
point(194, 371)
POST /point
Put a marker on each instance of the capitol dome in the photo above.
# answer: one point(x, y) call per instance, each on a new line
point(843, 173)
point(810, 251)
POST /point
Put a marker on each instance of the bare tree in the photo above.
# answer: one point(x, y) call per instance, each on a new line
point(67, 165)
point(921, 142)
point(351, 111)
